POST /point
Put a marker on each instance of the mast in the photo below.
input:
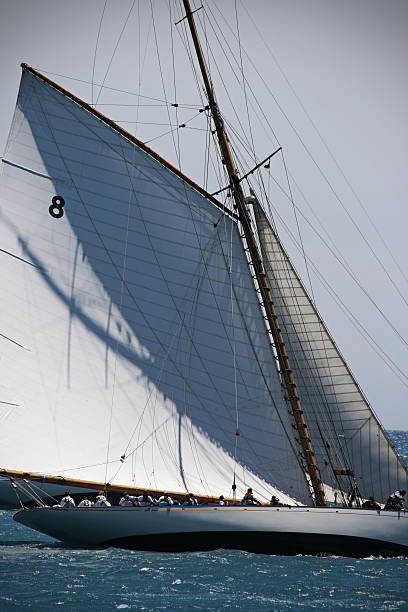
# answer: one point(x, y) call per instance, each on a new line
point(260, 275)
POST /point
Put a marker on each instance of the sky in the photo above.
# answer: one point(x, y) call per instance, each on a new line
point(330, 77)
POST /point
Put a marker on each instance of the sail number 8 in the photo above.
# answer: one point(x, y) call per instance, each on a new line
point(56, 209)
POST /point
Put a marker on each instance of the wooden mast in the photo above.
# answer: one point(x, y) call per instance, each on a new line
point(260, 275)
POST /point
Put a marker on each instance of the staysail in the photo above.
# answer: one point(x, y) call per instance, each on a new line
point(351, 447)
point(133, 344)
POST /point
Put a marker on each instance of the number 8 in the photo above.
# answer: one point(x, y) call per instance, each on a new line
point(56, 209)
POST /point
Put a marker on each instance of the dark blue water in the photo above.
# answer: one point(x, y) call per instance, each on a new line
point(38, 574)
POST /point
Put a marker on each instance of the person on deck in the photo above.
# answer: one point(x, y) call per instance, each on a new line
point(275, 501)
point(145, 499)
point(165, 500)
point(371, 504)
point(101, 501)
point(249, 499)
point(222, 501)
point(67, 501)
point(85, 503)
point(190, 500)
point(396, 501)
point(126, 500)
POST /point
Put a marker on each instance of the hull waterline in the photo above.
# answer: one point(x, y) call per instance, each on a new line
point(278, 531)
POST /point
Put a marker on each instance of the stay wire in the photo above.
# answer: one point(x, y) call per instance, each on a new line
point(244, 81)
point(328, 183)
point(114, 51)
point(96, 49)
point(325, 144)
point(176, 148)
point(338, 300)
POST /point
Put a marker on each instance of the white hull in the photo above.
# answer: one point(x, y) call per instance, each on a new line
point(296, 530)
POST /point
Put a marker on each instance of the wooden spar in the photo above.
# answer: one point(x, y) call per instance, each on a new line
point(260, 275)
point(100, 486)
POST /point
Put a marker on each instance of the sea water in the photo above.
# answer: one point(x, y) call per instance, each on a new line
point(38, 574)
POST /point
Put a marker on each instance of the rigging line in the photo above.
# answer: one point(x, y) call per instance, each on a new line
point(340, 257)
point(142, 59)
point(164, 105)
point(164, 278)
point(173, 125)
point(321, 391)
point(125, 91)
point(325, 143)
point(176, 149)
point(161, 135)
point(114, 51)
point(174, 78)
point(298, 227)
point(139, 66)
point(248, 57)
point(123, 275)
point(331, 188)
point(263, 376)
point(234, 357)
point(244, 81)
point(220, 72)
point(306, 149)
point(207, 156)
point(187, 401)
point(208, 275)
point(336, 298)
point(170, 294)
point(371, 411)
point(348, 270)
point(316, 407)
point(96, 48)
point(141, 444)
point(186, 42)
point(391, 364)
point(218, 169)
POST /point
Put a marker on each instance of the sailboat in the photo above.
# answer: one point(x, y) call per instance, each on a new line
point(155, 339)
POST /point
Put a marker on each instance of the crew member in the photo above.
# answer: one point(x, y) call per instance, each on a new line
point(101, 501)
point(249, 499)
point(85, 503)
point(190, 500)
point(396, 501)
point(126, 500)
point(145, 499)
point(371, 504)
point(165, 500)
point(67, 501)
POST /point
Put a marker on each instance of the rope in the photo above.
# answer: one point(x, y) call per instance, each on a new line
point(114, 52)
point(96, 48)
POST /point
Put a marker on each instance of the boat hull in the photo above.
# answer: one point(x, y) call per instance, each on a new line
point(278, 531)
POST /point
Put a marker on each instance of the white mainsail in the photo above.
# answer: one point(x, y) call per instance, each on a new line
point(346, 434)
point(132, 338)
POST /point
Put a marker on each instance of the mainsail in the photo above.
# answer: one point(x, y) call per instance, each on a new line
point(351, 447)
point(133, 343)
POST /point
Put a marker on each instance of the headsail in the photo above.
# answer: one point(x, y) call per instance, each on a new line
point(119, 330)
point(348, 440)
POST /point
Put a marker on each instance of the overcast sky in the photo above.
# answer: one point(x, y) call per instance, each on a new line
point(347, 64)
